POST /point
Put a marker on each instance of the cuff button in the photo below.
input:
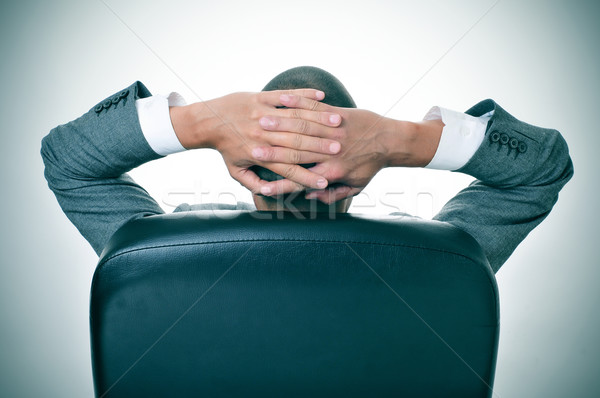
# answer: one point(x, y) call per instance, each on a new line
point(522, 147)
point(98, 108)
point(513, 143)
point(107, 104)
point(495, 136)
point(116, 99)
point(504, 138)
point(124, 93)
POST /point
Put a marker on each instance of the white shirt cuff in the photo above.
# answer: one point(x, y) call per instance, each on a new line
point(461, 137)
point(155, 121)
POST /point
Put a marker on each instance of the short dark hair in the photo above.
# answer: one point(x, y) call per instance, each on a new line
point(307, 77)
point(313, 77)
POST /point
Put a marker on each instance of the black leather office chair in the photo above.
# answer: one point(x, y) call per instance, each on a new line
point(262, 304)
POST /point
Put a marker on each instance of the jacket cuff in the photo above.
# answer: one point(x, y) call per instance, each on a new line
point(509, 151)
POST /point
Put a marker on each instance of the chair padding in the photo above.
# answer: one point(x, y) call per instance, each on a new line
point(260, 304)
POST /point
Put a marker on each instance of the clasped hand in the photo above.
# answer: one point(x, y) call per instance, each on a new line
point(365, 142)
point(369, 142)
point(280, 130)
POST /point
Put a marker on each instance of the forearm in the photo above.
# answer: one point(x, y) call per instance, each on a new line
point(105, 142)
point(520, 170)
point(86, 161)
point(514, 153)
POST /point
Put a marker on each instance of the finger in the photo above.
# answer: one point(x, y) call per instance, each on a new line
point(302, 142)
point(330, 172)
point(248, 179)
point(340, 193)
point(297, 101)
point(286, 155)
point(299, 120)
point(298, 174)
point(311, 93)
point(272, 97)
point(280, 187)
point(329, 196)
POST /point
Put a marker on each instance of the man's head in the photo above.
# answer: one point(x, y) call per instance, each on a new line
point(335, 95)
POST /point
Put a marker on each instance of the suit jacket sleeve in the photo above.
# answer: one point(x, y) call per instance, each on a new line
point(519, 171)
point(86, 164)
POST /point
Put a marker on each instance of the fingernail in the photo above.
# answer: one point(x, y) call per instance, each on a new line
point(320, 95)
point(310, 195)
point(335, 119)
point(321, 183)
point(258, 153)
point(334, 147)
point(284, 98)
point(265, 190)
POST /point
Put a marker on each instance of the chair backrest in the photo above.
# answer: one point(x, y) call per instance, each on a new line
point(266, 304)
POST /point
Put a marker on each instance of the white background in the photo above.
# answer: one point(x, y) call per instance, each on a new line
point(538, 59)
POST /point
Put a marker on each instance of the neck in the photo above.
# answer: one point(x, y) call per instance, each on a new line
point(299, 204)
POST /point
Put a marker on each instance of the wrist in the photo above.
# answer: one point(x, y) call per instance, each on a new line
point(194, 125)
point(426, 141)
point(411, 144)
point(397, 140)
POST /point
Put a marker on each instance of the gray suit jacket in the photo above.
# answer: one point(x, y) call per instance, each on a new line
point(519, 171)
